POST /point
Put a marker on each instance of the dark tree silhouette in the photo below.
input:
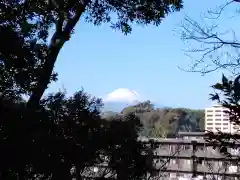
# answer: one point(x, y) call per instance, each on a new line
point(25, 26)
point(45, 138)
point(227, 93)
point(64, 133)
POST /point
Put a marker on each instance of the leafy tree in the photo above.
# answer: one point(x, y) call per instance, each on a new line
point(45, 138)
point(65, 133)
point(25, 26)
point(160, 131)
point(128, 110)
point(197, 116)
point(166, 121)
point(141, 107)
point(228, 95)
point(126, 159)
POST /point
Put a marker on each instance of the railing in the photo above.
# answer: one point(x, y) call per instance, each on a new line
point(195, 145)
point(174, 152)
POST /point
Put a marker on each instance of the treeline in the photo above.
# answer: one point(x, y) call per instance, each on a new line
point(164, 122)
point(63, 137)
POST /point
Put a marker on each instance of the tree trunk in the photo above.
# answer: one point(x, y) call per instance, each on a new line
point(44, 80)
point(78, 175)
point(57, 41)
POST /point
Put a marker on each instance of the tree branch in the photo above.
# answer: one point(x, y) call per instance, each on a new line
point(57, 41)
point(72, 22)
point(211, 45)
point(220, 10)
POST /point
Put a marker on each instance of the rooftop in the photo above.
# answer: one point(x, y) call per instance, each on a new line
point(191, 133)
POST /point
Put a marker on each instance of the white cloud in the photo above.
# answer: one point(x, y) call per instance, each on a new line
point(122, 95)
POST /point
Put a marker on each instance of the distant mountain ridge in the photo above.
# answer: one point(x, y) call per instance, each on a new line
point(119, 106)
point(160, 121)
point(116, 106)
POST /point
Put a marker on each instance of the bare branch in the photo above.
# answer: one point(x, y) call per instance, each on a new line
point(216, 51)
point(219, 11)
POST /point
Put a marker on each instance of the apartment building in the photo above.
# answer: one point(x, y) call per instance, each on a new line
point(217, 119)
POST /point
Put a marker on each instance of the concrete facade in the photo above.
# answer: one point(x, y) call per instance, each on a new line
point(217, 119)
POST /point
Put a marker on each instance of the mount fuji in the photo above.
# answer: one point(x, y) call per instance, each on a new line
point(121, 98)
point(117, 106)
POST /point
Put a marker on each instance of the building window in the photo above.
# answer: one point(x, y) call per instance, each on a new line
point(225, 128)
point(218, 115)
point(209, 123)
point(218, 124)
point(218, 128)
point(225, 124)
point(200, 160)
point(209, 119)
point(217, 119)
point(209, 110)
point(225, 115)
point(209, 115)
point(209, 128)
point(218, 111)
point(225, 119)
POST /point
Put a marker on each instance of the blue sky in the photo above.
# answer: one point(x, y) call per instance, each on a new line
point(101, 60)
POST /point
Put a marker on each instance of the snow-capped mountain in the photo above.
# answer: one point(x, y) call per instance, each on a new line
point(121, 98)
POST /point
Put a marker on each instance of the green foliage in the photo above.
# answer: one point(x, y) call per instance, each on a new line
point(108, 114)
point(139, 108)
point(128, 110)
point(160, 131)
point(25, 25)
point(46, 137)
point(227, 94)
point(66, 132)
point(165, 122)
point(198, 116)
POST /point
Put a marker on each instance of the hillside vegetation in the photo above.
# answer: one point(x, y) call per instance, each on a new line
point(163, 122)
